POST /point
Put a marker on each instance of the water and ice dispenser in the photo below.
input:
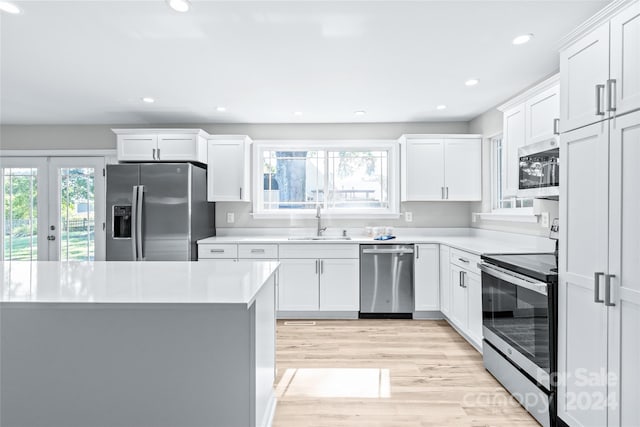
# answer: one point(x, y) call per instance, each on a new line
point(121, 222)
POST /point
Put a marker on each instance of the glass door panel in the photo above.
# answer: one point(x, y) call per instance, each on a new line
point(23, 235)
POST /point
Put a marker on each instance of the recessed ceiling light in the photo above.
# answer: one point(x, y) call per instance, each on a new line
point(180, 5)
point(221, 109)
point(441, 107)
point(297, 113)
point(522, 39)
point(360, 113)
point(472, 82)
point(8, 7)
point(148, 100)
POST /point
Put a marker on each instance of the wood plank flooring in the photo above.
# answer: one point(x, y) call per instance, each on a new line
point(379, 373)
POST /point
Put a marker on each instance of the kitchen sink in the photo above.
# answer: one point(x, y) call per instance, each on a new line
point(320, 238)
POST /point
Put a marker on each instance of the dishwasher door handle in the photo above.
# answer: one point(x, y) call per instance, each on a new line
point(387, 251)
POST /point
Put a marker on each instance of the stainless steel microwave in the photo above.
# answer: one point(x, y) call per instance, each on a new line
point(539, 169)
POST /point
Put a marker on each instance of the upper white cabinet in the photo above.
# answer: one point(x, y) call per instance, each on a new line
point(161, 145)
point(441, 167)
point(229, 172)
point(426, 277)
point(601, 69)
point(529, 118)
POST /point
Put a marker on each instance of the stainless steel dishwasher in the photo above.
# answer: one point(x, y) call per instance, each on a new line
point(386, 281)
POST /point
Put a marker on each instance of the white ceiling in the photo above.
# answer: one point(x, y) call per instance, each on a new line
point(90, 62)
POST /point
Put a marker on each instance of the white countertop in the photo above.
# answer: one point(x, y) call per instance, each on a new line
point(480, 243)
point(133, 282)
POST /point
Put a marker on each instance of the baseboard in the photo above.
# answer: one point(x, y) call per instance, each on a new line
point(477, 346)
point(428, 315)
point(270, 413)
point(317, 314)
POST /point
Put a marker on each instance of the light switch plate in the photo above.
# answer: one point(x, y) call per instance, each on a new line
point(231, 217)
point(544, 220)
point(408, 216)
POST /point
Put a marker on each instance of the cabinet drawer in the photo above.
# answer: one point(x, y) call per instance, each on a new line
point(319, 250)
point(465, 260)
point(258, 251)
point(208, 251)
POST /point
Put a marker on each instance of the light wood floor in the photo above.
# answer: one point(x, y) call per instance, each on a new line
point(374, 373)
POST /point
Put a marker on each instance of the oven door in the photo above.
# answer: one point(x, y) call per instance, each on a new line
point(516, 320)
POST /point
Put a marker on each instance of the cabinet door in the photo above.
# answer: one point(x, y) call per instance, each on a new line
point(339, 285)
point(445, 281)
point(463, 169)
point(136, 147)
point(178, 148)
point(583, 66)
point(624, 244)
point(426, 278)
point(474, 294)
point(625, 58)
point(298, 288)
point(459, 306)
point(226, 172)
point(513, 137)
point(582, 323)
point(541, 111)
point(422, 163)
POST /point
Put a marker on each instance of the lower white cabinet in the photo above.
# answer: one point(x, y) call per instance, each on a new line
point(426, 277)
point(445, 281)
point(466, 303)
point(318, 284)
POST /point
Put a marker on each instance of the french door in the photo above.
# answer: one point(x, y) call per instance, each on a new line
point(53, 208)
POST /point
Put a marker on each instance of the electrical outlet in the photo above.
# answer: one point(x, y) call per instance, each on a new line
point(408, 216)
point(231, 217)
point(544, 220)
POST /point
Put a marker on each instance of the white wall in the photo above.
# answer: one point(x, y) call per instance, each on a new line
point(489, 124)
point(425, 214)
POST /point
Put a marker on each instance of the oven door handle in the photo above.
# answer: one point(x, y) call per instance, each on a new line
point(499, 273)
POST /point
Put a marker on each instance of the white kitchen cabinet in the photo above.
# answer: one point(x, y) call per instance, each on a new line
point(426, 277)
point(167, 145)
point(542, 113)
point(441, 167)
point(584, 70)
point(513, 137)
point(474, 293)
point(625, 59)
point(298, 285)
point(229, 174)
point(319, 278)
point(445, 280)
point(459, 299)
point(339, 285)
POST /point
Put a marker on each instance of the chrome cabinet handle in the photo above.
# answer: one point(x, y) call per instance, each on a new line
point(611, 94)
point(442, 193)
point(607, 290)
point(463, 260)
point(447, 193)
point(240, 193)
point(599, 90)
point(153, 154)
point(460, 280)
point(216, 251)
point(417, 252)
point(556, 126)
point(158, 154)
point(257, 251)
point(596, 286)
point(321, 266)
point(316, 266)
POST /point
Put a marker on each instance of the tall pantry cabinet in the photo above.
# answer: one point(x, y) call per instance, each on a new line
point(599, 264)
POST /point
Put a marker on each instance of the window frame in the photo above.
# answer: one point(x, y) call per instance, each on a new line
point(498, 177)
point(393, 185)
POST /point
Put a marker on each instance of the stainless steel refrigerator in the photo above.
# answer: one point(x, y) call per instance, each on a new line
point(157, 211)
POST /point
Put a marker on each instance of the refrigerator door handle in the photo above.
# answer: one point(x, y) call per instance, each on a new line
point(139, 208)
point(134, 219)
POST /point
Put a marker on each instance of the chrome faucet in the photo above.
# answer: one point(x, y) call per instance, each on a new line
point(321, 229)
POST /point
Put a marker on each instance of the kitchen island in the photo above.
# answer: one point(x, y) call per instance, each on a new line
point(110, 344)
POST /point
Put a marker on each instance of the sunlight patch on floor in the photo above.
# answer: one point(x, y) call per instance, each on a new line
point(335, 382)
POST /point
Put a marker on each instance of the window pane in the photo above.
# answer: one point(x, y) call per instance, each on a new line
point(293, 179)
point(358, 179)
point(20, 190)
point(77, 214)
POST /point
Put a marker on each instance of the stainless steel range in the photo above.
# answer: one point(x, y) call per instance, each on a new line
point(519, 307)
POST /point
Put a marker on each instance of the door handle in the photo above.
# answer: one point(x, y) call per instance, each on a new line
point(611, 95)
point(556, 126)
point(466, 261)
point(257, 251)
point(460, 280)
point(153, 153)
point(321, 266)
point(240, 193)
point(134, 222)
point(596, 286)
point(51, 237)
point(607, 290)
point(599, 90)
point(158, 154)
point(442, 193)
point(417, 252)
point(447, 193)
point(316, 266)
point(139, 242)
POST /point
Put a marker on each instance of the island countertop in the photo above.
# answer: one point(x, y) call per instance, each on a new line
point(133, 282)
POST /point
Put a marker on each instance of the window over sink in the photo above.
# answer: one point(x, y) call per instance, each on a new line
point(345, 178)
